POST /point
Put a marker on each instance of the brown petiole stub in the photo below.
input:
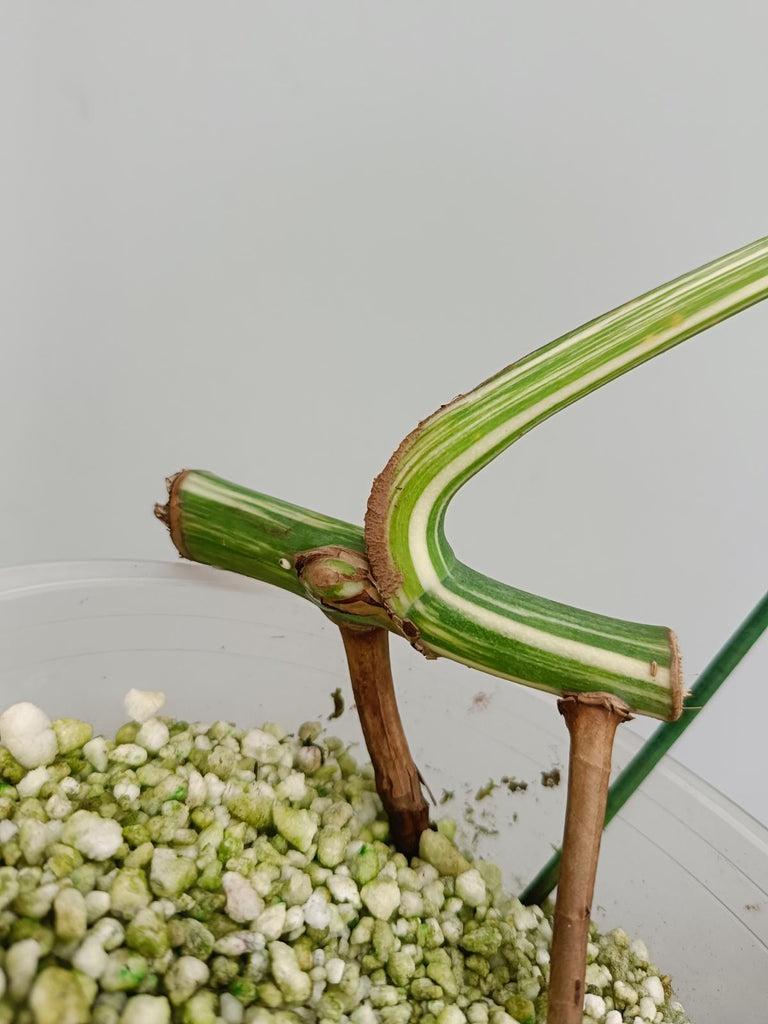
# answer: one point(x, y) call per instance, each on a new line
point(592, 720)
point(398, 780)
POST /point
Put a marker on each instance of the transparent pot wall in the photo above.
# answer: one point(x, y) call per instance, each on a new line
point(682, 867)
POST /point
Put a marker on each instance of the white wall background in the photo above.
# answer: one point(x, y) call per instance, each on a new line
point(265, 239)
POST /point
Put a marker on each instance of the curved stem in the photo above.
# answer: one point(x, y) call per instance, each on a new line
point(451, 610)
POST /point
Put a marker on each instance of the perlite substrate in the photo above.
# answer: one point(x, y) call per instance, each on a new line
point(206, 874)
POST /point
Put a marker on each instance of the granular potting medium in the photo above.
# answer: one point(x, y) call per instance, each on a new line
point(207, 874)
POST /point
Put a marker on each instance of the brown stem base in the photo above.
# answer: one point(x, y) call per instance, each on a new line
point(397, 777)
point(592, 720)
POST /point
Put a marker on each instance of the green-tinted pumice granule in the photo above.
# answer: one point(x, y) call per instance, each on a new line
point(205, 874)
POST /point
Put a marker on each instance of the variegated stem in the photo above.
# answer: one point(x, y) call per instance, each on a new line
point(309, 554)
point(313, 556)
point(449, 609)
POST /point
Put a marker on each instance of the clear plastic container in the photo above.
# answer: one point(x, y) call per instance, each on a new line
point(681, 867)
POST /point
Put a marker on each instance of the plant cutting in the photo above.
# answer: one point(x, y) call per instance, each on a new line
point(603, 669)
point(198, 872)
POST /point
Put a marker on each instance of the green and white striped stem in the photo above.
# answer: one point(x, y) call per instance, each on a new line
point(312, 555)
point(445, 607)
point(322, 559)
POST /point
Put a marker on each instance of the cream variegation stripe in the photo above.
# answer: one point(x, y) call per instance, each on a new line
point(404, 532)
